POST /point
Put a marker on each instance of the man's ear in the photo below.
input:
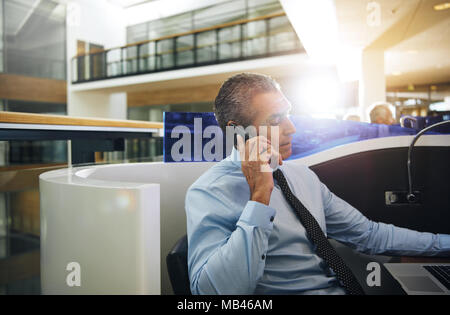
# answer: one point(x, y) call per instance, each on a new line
point(231, 123)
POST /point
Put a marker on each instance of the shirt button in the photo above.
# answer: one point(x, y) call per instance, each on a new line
point(271, 218)
point(263, 257)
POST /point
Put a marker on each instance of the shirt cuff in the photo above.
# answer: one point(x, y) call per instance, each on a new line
point(258, 214)
point(444, 242)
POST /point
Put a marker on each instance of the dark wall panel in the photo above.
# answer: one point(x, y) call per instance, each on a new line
point(362, 179)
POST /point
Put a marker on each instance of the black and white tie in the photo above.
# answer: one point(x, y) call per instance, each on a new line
point(315, 234)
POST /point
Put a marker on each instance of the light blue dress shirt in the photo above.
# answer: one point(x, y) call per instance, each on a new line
point(238, 246)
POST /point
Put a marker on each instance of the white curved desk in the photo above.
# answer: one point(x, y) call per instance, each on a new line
point(119, 221)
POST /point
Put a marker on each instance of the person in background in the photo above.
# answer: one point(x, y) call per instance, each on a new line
point(381, 114)
point(353, 118)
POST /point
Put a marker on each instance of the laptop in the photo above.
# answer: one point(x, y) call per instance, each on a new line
point(421, 279)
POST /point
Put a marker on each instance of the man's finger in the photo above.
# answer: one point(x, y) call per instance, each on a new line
point(241, 146)
point(252, 149)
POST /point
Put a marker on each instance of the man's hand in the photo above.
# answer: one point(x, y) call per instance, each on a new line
point(255, 155)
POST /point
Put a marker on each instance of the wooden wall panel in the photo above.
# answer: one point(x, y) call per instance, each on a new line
point(205, 93)
point(19, 87)
point(19, 267)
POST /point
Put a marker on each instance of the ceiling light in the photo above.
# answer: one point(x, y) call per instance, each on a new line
point(442, 6)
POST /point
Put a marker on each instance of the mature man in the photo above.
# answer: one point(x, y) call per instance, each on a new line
point(244, 232)
point(381, 114)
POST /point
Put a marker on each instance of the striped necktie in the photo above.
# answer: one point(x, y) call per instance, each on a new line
point(315, 234)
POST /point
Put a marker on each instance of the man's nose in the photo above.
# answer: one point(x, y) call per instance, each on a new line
point(288, 127)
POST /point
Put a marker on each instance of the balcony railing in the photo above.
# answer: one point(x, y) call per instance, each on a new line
point(260, 37)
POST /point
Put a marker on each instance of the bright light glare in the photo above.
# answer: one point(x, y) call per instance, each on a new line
point(316, 25)
point(348, 63)
point(319, 96)
point(315, 22)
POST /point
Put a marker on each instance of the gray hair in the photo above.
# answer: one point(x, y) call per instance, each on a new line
point(235, 95)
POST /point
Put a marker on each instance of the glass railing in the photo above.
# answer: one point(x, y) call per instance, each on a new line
point(23, 63)
point(260, 37)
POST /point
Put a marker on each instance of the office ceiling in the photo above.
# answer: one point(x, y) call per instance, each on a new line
point(414, 36)
point(424, 58)
point(353, 15)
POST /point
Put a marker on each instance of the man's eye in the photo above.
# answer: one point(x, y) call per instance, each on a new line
point(275, 122)
point(278, 120)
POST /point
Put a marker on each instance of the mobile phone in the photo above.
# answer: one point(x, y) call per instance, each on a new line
point(240, 131)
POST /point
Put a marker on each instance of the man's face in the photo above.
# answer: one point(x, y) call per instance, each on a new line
point(272, 109)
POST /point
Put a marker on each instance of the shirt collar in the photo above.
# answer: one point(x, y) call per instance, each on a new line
point(235, 157)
